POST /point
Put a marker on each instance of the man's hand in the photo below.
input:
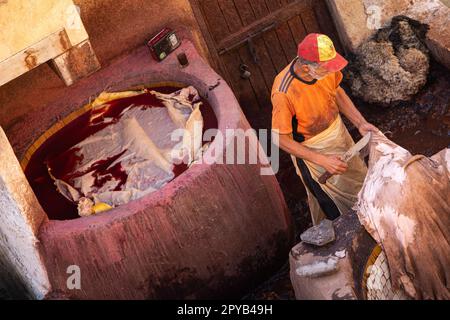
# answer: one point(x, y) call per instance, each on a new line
point(365, 127)
point(333, 164)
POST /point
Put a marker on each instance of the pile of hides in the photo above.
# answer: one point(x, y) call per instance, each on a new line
point(134, 154)
point(392, 66)
point(404, 205)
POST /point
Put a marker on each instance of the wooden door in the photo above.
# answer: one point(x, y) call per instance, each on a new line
point(274, 28)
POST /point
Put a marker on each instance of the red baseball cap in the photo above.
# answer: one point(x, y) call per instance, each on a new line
point(319, 48)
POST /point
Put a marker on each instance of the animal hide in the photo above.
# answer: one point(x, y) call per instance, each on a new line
point(134, 154)
point(404, 205)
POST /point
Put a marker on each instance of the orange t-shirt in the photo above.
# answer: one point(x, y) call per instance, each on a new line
point(312, 103)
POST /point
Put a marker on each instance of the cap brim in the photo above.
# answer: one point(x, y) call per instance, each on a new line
point(336, 64)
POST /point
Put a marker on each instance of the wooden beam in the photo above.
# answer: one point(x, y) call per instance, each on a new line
point(34, 55)
point(76, 63)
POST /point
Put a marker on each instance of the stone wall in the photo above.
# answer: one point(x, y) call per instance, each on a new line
point(357, 20)
point(20, 219)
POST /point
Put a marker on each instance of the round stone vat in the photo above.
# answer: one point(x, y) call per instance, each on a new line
point(215, 231)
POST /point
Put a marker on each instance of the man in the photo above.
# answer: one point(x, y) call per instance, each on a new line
point(307, 102)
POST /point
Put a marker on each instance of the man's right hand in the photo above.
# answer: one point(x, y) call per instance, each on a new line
point(333, 164)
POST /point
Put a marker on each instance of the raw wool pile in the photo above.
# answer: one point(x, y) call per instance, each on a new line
point(135, 154)
point(393, 65)
point(404, 206)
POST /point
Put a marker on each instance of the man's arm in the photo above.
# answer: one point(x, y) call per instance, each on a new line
point(347, 107)
point(332, 163)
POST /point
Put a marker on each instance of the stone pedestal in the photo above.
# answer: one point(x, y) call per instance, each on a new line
point(352, 247)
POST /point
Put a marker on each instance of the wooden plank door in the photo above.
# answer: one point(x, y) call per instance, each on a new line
point(274, 28)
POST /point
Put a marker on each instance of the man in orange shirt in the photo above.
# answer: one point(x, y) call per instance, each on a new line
point(307, 102)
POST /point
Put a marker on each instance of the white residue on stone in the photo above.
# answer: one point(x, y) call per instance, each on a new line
point(318, 268)
point(374, 4)
point(19, 247)
point(341, 254)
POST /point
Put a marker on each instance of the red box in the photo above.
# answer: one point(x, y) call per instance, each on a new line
point(163, 43)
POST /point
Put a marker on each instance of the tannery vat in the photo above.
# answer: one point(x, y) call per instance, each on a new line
point(212, 232)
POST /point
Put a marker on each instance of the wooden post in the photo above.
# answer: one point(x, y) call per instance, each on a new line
point(39, 31)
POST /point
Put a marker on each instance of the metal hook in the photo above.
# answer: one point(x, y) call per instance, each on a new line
point(244, 71)
point(252, 50)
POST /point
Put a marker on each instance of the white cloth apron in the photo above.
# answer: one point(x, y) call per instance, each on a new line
point(342, 189)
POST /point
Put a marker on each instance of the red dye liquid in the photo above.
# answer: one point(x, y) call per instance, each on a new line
point(62, 168)
point(58, 153)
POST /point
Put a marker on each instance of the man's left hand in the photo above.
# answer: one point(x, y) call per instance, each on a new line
point(365, 127)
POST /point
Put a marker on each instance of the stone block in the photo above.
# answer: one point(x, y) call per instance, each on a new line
point(334, 271)
point(357, 20)
point(319, 235)
point(22, 270)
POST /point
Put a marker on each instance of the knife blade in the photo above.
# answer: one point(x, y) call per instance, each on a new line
point(349, 154)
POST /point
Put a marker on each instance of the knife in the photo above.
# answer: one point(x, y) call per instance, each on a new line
point(347, 156)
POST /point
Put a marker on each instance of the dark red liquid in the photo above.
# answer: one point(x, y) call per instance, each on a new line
point(58, 153)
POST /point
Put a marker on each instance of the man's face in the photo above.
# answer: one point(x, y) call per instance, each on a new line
point(318, 72)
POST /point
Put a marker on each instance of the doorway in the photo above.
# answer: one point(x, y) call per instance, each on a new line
point(250, 42)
